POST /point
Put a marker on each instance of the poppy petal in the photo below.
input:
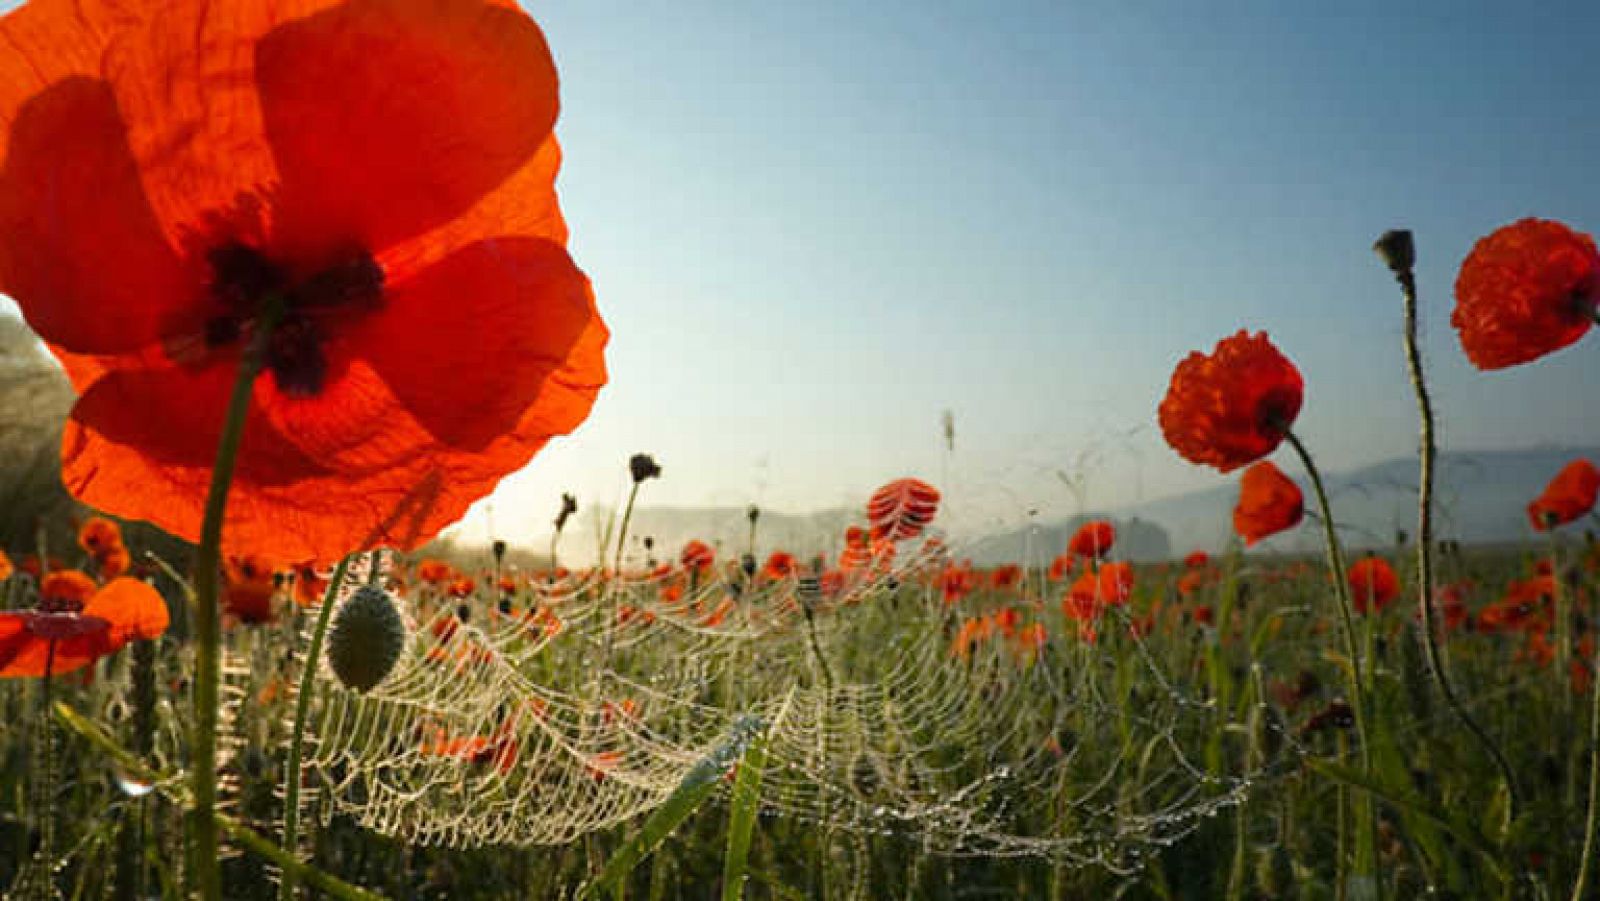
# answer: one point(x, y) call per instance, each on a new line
point(388, 118)
point(134, 609)
point(83, 253)
point(493, 322)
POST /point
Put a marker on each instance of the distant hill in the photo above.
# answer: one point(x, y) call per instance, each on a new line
point(1481, 498)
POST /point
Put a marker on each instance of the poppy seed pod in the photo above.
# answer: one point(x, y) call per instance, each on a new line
point(366, 639)
point(1397, 250)
point(643, 466)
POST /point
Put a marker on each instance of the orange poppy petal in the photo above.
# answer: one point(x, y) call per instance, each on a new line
point(133, 608)
point(83, 251)
point(389, 118)
point(492, 322)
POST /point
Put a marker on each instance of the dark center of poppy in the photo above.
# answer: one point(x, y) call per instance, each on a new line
point(244, 280)
point(1276, 410)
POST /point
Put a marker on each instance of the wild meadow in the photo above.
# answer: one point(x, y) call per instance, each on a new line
point(310, 318)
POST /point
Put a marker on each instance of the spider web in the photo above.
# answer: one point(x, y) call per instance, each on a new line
point(576, 705)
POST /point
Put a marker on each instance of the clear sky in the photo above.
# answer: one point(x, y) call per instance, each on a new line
point(814, 227)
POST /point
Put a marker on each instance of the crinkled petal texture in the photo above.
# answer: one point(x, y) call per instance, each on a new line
point(1569, 496)
point(1524, 291)
point(415, 131)
point(1269, 502)
point(1234, 406)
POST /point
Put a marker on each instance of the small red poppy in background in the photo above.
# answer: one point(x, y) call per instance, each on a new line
point(697, 557)
point(84, 622)
point(435, 572)
point(1525, 290)
point(1093, 539)
point(902, 509)
point(1006, 577)
point(1269, 502)
point(1062, 566)
point(1197, 560)
point(6, 569)
point(382, 171)
point(1234, 406)
point(780, 565)
point(1570, 495)
point(1373, 584)
point(248, 587)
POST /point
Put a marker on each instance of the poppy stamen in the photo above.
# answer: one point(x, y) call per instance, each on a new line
point(244, 280)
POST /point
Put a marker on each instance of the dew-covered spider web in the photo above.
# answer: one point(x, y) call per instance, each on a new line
point(562, 707)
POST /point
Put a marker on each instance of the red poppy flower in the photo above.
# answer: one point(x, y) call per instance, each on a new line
point(957, 581)
point(900, 510)
point(1373, 584)
point(248, 588)
point(382, 169)
point(1197, 560)
point(1006, 577)
point(84, 622)
point(1570, 495)
point(1234, 406)
point(435, 572)
point(1269, 502)
point(781, 565)
point(99, 535)
point(1526, 290)
point(697, 557)
point(6, 569)
point(1093, 539)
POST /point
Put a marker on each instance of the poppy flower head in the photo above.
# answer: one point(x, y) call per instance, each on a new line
point(1197, 560)
point(1373, 584)
point(1093, 539)
point(1570, 495)
point(902, 509)
point(99, 535)
point(697, 557)
point(378, 176)
point(1234, 406)
point(65, 590)
point(1269, 502)
point(1526, 290)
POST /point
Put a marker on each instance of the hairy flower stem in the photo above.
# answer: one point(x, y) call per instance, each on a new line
point(45, 783)
point(302, 707)
point(1592, 820)
point(616, 569)
point(1429, 452)
point(1366, 825)
point(204, 861)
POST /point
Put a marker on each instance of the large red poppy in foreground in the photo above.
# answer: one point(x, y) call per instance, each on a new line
point(384, 168)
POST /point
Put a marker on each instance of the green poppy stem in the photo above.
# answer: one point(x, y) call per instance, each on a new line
point(1365, 815)
point(1430, 633)
point(204, 860)
point(1592, 820)
point(302, 707)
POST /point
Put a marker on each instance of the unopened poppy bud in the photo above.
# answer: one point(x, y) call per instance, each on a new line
point(643, 466)
point(1397, 251)
point(366, 639)
point(753, 514)
point(499, 551)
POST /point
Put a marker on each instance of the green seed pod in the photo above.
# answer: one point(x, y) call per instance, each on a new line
point(366, 639)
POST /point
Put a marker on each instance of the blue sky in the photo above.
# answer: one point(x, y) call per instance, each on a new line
point(815, 227)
